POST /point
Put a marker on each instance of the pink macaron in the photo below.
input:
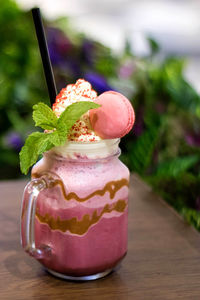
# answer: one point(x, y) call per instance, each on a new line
point(115, 117)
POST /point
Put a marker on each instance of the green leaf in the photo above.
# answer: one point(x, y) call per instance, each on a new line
point(35, 144)
point(176, 166)
point(192, 216)
point(39, 142)
point(183, 95)
point(44, 117)
point(142, 150)
point(58, 137)
point(73, 113)
point(153, 45)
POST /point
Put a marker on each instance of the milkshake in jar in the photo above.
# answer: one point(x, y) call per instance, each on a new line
point(75, 209)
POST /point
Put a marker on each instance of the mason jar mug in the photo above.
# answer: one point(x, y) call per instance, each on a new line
point(75, 210)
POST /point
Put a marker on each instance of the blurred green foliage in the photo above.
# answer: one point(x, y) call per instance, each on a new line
point(164, 146)
point(21, 82)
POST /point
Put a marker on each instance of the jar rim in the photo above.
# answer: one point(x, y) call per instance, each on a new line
point(87, 150)
point(103, 142)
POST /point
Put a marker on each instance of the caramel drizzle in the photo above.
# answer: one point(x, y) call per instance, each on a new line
point(80, 227)
point(112, 187)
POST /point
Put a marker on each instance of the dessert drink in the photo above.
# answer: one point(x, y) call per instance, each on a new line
point(80, 196)
point(83, 218)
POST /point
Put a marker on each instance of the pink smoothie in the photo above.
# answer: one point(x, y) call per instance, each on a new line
point(83, 217)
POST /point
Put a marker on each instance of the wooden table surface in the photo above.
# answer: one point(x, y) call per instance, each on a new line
point(163, 260)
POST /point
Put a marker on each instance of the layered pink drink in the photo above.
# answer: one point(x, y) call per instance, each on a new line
point(82, 215)
point(83, 218)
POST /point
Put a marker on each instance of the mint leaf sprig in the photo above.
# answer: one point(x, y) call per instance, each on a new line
point(44, 117)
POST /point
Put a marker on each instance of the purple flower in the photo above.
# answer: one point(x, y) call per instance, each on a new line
point(59, 45)
point(69, 69)
point(13, 140)
point(55, 57)
point(127, 69)
point(98, 82)
point(193, 140)
point(88, 52)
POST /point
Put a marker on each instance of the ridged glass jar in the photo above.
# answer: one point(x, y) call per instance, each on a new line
point(75, 210)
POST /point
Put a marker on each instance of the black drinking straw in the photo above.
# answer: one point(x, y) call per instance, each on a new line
point(48, 71)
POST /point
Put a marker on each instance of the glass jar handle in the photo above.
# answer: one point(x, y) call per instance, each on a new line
point(29, 203)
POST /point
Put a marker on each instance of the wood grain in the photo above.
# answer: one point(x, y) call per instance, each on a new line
point(163, 260)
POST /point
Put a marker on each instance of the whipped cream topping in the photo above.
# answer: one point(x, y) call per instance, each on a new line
point(82, 151)
point(81, 131)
